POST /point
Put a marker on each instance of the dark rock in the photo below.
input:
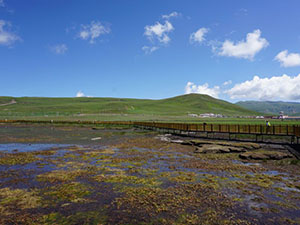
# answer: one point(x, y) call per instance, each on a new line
point(224, 150)
point(186, 143)
point(236, 149)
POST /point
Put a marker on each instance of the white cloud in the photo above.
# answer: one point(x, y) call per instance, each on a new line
point(93, 31)
point(198, 36)
point(244, 49)
point(7, 37)
point(80, 94)
point(159, 31)
point(288, 59)
point(202, 89)
point(242, 11)
point(173, 14)
point(149, 50)
point(227, 83)
point(275, 88)
point(59, 49)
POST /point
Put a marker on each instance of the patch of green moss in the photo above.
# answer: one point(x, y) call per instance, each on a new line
point(127, 180)
point(183, 202)
point(84, 218)
point(69, 192)
point(179, 176)
point(18, 198)
point(64, 175)
point(17, 158)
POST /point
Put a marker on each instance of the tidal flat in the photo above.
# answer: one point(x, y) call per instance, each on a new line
point(87, 175)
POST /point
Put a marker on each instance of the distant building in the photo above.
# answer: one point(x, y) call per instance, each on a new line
point(207, 115)
point(193, 115)
point(259, 117)
point(282, 116)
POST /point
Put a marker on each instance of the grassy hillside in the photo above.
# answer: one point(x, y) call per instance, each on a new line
point(289, 108)
point(177, 106)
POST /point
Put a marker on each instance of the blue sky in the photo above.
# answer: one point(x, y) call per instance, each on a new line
point(150, 49)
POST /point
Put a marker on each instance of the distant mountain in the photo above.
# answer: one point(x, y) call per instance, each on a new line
point(270, 107)
point(176, 106)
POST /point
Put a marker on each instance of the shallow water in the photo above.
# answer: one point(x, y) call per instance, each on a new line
point(29, 147)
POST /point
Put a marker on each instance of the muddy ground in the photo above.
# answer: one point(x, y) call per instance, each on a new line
point(85, 175)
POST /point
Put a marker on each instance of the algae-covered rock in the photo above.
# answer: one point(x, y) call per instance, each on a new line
point(209, 148)
point(271, 155)
point(241, 145)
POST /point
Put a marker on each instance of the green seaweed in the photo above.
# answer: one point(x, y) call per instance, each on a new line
point(70, 192)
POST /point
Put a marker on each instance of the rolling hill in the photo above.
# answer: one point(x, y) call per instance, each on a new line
point(269, 107)
point(176, 106)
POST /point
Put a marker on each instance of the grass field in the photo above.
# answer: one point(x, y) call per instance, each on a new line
point(177, 106)
point(116, 109)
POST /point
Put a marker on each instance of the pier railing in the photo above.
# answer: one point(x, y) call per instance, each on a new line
point(285, 130)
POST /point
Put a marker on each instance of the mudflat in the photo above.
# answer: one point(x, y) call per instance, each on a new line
point(92, 175)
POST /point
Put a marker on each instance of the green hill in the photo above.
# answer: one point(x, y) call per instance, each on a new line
point(176, 106)
point(269, 107)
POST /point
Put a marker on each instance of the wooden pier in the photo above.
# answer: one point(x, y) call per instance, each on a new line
point(231, 130)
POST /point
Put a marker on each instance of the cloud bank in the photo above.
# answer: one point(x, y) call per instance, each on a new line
point(275, 88)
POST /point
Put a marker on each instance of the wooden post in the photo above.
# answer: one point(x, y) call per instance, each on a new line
point(279, 129)
point(294, 129)
point(261, 129)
